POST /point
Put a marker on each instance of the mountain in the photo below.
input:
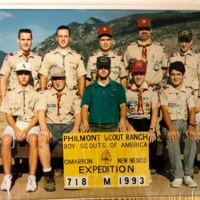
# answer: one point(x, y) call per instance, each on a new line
point(2, 56)
point(165, 29)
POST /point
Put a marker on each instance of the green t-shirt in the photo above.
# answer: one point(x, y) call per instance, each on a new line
point(104, 102)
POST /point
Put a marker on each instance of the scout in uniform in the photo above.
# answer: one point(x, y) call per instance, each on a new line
point(66, 58)
point(178, 125)
point(191, 61)
point(149, 51)
point(7, 73)
point(117, 70)
point(142, 106)
point(19, 106)
point(59, 113)
point(105, 100)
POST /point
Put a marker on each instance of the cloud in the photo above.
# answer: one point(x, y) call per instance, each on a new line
point(5, 15)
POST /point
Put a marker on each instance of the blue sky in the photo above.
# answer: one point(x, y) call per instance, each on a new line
point(44, 22)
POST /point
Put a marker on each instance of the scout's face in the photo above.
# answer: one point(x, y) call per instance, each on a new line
point(103, 73)
point(24, 77)
point(138, 78)
point(63, 38)
point(144, 33)
point(185, 45)
point(105, 43)
point(176, 78)
point(58, 83)
point(25, 41)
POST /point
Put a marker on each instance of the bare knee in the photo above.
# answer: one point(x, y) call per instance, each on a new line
point(6, 141)
point(33, 140)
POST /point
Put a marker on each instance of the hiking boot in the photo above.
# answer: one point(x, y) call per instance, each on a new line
point(49, 182)
point(31, 185)
point(58, 173)
point(7, 183)
point(177, 182)
point(190, 182)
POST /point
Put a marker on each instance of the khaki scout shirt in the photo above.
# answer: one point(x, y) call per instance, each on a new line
point(149, 97)
point(71, 62)
point(156, 59)
point(9, 65)
point(117, 72)
point(21, 103)
point(62, 113)
point(178, 102)
point(191, 61)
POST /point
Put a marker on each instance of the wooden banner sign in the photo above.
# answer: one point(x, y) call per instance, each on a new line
point(111, 159)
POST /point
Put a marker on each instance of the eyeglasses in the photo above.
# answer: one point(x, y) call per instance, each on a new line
point(23, 72)
point(57, 78)
point(144, 29)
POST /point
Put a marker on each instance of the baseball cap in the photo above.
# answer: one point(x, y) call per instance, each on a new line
point(185, 34)
point(23, 66)
point(57, 72)
point(144, 22)
point(105, 30)
point(103, 62)
point(138, 66)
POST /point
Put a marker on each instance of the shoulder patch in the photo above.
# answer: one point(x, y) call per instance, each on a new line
point(10, 55)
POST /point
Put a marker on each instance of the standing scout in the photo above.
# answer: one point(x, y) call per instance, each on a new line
point(59, 113)
point(19, 107)
point(117, 70)
point(142, 106)
point(24, 54)
point(151, 52)
point(105, 100)
point(178, 126)
point(191, 61)
point(66, 58)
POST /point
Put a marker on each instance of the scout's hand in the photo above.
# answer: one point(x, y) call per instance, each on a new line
point(85, 128)
point(18, 134)
point(152, 135)
point(45, 135)
point(23, 135)
point(191, 133)
point(173, 135)
point(122, 126)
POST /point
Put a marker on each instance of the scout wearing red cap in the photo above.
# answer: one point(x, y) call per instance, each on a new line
point(144, 23)
point(138, 66)
point(105, 31)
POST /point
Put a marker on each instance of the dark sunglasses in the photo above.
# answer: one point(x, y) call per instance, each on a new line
point(57, 78)
point(144, 29)
point(23, 72)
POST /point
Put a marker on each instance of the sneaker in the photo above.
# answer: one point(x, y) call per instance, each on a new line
point(190, 182)
point(7, 183)
point(31, 185)
point(49, 182)
point(177, 182)
point(58, 173)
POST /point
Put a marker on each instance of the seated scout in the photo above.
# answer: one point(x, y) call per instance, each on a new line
point(178, 126)
point(59, 113)
point(142, 106)
point(105, 100)
point(19, 108)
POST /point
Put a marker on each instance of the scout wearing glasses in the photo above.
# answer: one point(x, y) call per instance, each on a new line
point(149, 51)
point(142, 106)
point(105, 100)
point(59, 113)
point(191, 61)
point(19, 105)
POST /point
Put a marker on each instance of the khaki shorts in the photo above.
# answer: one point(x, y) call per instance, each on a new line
point(21, 125)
